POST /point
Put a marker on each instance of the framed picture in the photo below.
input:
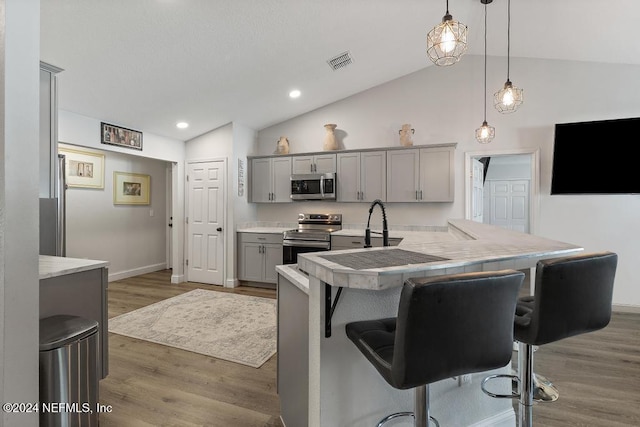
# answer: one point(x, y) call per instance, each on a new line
point(122, 137)
point(131, 188)
point(83, 169)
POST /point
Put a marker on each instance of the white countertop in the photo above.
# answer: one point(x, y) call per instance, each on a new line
point(54, 266)
point(264, 230)
point(467, 245)
point(295, 276)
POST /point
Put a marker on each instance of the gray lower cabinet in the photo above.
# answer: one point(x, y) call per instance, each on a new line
point(258, 255)
point(357, 242)
point(293, 354)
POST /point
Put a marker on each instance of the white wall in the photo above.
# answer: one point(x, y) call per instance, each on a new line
point(19, 178)
point(232, 142)
point(133, 241)
point(85, 131)
point(446, 105)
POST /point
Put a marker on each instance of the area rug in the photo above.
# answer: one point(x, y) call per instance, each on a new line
point(233, 327)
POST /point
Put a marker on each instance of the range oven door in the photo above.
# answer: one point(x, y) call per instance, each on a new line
point(313, 186)
point(291, 249)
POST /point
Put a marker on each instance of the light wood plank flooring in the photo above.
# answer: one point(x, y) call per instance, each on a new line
point(598, 374)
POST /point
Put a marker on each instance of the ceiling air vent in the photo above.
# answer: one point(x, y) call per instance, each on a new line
point(340, 61)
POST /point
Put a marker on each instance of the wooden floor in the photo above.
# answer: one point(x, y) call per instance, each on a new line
point(598, 374)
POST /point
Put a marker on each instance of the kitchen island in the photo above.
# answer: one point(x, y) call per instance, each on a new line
point(345, 389)
point(77, 287)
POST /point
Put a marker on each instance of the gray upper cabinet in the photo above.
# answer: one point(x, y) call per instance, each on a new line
point(361, 176)
point(320, 163)
point(270, 180)
point(421, 175)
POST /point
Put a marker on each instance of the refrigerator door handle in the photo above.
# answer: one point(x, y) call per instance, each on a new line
point(61, 229)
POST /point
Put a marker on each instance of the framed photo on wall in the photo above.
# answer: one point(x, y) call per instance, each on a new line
point(122, 137)
point(83, 169)
point(131, 188)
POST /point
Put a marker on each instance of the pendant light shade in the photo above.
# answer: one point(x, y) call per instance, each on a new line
point(485, 133)
point(509, 98)
point(447, 42)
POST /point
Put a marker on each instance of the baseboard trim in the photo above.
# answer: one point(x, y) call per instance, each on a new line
point(622, 308)
point(232, 283)
point(503, 419)
point(136, 271)
point(177, 278)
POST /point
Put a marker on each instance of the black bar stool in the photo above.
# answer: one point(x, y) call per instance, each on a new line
point(446, 326)
point(572, 296)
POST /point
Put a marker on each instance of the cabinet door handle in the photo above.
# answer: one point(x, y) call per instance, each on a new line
point(416, 194)
point(362, 195)
point(420, 194)
point(262, 238)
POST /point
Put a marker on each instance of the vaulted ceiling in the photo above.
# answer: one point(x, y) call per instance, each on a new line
point(147, 64)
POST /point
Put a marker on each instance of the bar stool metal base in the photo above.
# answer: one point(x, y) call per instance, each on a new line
point(421, 407)
point(544, 390)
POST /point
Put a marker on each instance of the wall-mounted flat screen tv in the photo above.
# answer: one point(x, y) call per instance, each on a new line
point(599, 157)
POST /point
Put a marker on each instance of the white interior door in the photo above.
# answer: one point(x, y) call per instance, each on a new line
point(510, 204)
point(205, 221)
point(477, 186)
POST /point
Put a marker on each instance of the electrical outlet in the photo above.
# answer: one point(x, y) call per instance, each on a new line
point(464, 380)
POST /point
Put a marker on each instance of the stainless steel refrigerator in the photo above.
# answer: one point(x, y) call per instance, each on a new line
point(52, 215)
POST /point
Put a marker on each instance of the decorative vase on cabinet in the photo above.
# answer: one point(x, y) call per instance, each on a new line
point(330, 138)
point(405, 135)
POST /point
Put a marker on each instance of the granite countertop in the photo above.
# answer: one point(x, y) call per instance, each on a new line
point(54, 266)
point(466, 245)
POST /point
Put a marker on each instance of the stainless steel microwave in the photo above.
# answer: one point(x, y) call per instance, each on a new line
point(314, 186)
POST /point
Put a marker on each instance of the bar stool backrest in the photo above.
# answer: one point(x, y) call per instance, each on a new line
point(454, 325)
point(572, 296)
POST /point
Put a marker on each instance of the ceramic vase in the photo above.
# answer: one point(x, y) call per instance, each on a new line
point(406, 134)
point(282, 146)
point(330, 138)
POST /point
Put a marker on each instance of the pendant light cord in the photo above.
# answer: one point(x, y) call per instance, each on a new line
point(447, 7)
point(485, 62)
point(508, 36)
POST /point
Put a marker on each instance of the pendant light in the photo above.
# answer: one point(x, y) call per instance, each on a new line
point(447, 41)
point(485, 133)
point(509, 98)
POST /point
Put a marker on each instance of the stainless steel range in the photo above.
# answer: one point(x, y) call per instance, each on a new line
point(312, 235)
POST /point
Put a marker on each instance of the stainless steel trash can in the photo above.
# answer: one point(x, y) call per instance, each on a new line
point(68, 371)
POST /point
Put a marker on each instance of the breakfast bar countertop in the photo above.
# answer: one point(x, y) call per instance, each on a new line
point(54, 266)
point(465, 245)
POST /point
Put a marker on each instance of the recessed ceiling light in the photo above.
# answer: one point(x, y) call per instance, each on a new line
point(294, 93)
point(182, 125)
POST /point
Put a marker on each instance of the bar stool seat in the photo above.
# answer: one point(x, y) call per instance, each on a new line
point(446, 326)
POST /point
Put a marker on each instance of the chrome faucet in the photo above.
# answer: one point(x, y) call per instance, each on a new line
point(385, 230)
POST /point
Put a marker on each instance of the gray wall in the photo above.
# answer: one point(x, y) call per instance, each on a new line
point(446, 105)
point(19, 183)
point(133, 241)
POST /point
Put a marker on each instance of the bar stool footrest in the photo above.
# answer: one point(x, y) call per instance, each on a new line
point(403, 414)
point(514, 381)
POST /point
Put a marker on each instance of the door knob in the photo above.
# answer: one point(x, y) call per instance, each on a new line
point(219, 229)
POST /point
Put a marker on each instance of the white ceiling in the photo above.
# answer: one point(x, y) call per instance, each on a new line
point(147, 64)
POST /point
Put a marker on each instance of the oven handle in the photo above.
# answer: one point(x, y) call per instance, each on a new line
point(306, 244)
